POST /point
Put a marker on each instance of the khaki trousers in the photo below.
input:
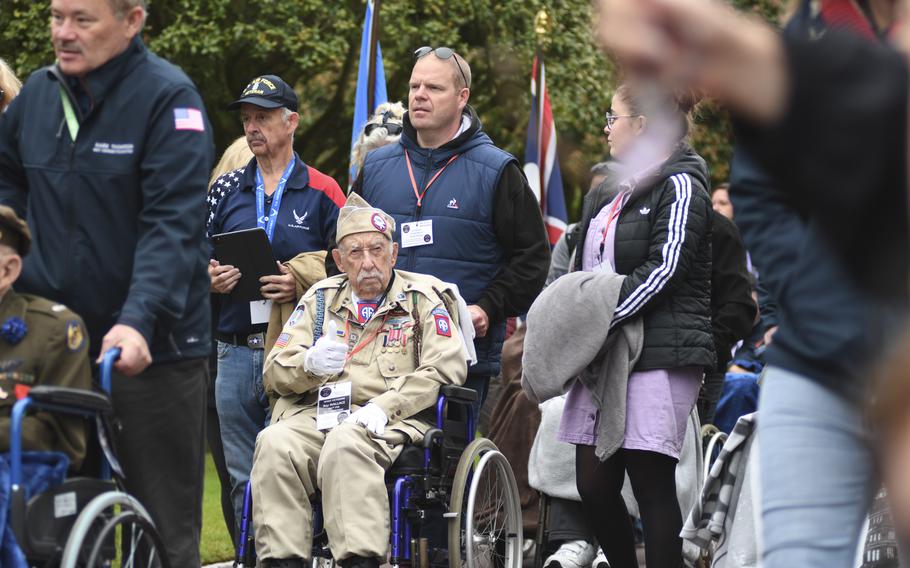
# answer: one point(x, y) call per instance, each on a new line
point(347, 465)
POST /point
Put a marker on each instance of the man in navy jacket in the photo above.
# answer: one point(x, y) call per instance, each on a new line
point(108, 153)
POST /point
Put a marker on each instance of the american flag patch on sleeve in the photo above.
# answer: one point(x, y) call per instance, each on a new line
point(188, 119)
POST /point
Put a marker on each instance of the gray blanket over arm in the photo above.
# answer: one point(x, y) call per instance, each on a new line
point(568, 337)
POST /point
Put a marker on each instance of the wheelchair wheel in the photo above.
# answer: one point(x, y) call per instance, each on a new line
point(114, 525)
point(485, 525)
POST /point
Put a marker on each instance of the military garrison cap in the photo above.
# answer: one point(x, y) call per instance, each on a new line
point(14, 231)
point(358, 216)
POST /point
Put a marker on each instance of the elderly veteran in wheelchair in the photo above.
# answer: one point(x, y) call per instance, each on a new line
point(41, 343)
point(358, 368)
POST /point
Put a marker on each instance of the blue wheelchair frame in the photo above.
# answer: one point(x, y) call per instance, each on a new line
point(403, 489)
point(22, 406)
point(45, 546)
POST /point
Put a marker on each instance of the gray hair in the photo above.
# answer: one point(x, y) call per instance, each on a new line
point(286, 115)
point(121, 7)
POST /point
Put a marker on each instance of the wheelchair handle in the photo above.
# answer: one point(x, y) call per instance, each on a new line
point(107, 365)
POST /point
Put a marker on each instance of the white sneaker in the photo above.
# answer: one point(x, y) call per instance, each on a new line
point(572, 554)
point(600, 561)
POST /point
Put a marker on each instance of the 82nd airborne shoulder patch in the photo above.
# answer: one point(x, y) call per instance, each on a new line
point(443, 323)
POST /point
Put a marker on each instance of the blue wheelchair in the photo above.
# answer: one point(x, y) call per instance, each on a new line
point(83, 522)
point(451, 483)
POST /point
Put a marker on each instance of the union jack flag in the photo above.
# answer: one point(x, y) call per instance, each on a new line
point(541, 160)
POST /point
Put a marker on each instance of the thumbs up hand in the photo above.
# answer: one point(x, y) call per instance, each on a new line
point(327, 356)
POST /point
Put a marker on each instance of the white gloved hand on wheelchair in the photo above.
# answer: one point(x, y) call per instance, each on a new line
point(327, 356)
point(371, 417)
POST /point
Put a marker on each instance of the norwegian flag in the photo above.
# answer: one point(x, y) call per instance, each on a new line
point(541, 161)
point(188, 119)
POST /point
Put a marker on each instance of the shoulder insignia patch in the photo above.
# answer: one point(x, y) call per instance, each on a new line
point(282, 341)
point(443, 324)
point(75, 335)
point(440, 311)
point(298, 313)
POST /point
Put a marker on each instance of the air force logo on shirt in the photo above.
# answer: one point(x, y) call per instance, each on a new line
point(299, 221)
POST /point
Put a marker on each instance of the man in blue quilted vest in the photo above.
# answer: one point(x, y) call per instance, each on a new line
point(463, 207)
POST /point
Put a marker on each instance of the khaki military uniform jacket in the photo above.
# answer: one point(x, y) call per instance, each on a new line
point(398, 359)
point(52, 352)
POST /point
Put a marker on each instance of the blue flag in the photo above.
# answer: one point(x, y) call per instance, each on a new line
point(361, 112)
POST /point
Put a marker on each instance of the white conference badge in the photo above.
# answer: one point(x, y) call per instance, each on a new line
point(260, 310)
point(417, 233)
point(333, 405)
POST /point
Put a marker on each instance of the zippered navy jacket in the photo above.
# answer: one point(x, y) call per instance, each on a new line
point(116, 215)
point(497, 253)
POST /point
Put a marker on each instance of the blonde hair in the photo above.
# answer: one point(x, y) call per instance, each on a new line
point(379, 137)
point(9, 83)
point(237, 155)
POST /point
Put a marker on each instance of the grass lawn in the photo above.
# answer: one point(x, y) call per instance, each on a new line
point(216, 542)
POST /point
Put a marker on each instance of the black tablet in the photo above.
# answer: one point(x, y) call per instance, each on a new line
point(250, 252)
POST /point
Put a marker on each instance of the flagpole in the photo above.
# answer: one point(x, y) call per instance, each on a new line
point(371, 72)
point(541, 28)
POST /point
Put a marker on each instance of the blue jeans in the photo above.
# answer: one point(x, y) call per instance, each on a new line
point(243, 410)
point(817, 473)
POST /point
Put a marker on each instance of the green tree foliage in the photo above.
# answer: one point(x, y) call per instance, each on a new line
point(314, 45)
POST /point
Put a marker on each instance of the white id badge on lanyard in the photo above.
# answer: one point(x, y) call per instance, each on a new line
point(417, 233)
point(260, 311)
point(333, 405)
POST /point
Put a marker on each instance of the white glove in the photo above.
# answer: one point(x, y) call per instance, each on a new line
point(327, 357)
point(370, 417)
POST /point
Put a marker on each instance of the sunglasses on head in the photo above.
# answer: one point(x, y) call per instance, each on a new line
point(392, 128)
point(442, 53)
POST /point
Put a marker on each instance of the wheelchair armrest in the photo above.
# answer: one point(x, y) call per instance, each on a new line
point(459, 394)
point(77, 399)
point(430, 437)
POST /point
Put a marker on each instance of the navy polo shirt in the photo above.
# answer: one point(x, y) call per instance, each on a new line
point(306, 222)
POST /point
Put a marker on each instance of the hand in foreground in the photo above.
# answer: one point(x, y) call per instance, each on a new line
point(134, 350)
point(279, 288)
point(327, 357)
point(370, 417)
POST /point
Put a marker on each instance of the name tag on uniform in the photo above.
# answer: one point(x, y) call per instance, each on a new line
point(333, 405)
point(417, 233)
point(260, 310)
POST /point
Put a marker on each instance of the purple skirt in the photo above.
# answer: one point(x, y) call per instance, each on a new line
point(658, 403)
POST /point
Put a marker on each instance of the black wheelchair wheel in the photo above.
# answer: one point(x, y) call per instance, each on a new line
point(485, 525)
point(141, 542)
point(114, 525)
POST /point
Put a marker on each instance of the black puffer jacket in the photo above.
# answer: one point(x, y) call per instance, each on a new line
point(663, 245)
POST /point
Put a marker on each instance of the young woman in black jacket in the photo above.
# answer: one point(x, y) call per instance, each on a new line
point(654, 227)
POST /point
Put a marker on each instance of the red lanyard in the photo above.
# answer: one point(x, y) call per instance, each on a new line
point(363, 342)
point(417, 194)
